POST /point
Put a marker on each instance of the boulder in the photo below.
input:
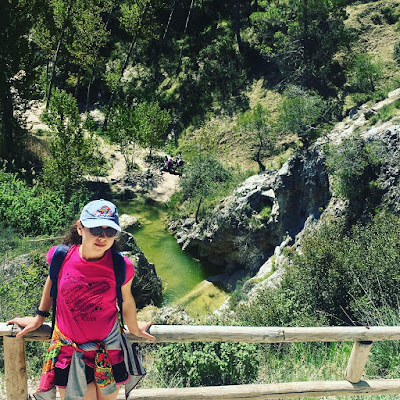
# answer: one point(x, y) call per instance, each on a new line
point(146, 285)
point(128, 222)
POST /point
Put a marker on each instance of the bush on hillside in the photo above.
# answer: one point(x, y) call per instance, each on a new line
point(363, 73)
point(302, 114)
point(32, 211)
point(335, 279)
point(201, 178)
point(208, 364)
point(396, 52)
point(354, 165)
point(257, 126)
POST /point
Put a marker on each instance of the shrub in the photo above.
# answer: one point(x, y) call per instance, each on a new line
point(72, 154)
point(363, 73)
point(33, 210)
point(302, 112)
point(396, 52)
point(201, 178)
point(257, 126)
point(206, 364)
point(354, 165)
point(339, 277)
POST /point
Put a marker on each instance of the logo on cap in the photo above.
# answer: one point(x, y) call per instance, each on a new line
point(104, 211)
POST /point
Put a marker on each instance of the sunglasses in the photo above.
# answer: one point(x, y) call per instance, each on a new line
point(98, 230)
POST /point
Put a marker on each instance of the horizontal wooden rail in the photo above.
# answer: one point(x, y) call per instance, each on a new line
point(271, 391)
point(205, 333)
point(363, 338)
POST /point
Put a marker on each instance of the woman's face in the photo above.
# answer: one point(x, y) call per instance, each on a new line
point(93, 247)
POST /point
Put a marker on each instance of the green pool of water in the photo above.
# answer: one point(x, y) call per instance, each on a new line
point(180, 272)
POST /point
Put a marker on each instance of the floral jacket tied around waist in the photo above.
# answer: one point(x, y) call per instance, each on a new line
point(77, 385)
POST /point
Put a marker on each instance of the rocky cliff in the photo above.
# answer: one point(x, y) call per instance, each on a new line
point(245, 228)
point(269, 211)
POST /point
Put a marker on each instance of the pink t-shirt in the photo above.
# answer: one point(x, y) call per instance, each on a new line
point(86, 296)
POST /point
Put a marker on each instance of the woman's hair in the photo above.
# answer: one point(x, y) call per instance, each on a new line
point(72, 237)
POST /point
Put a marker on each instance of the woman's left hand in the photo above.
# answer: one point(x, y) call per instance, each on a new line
point(141, 331)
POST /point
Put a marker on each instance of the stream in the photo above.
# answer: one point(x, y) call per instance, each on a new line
point(183, 275)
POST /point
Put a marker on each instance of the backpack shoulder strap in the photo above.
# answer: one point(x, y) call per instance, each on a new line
point(120, 276)
point(55, 266)
point(119, 271)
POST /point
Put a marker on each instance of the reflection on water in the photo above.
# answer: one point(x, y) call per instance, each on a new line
point(179, 271)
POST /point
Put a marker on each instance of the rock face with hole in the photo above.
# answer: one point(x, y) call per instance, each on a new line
point(244, 229)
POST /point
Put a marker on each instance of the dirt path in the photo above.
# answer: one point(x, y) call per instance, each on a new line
point(148, 180)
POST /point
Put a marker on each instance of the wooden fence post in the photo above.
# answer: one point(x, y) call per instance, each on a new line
point(358, 359)
point(15, 368)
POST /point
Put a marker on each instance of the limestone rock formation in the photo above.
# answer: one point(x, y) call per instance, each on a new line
point(244, 229)
point(147, 285)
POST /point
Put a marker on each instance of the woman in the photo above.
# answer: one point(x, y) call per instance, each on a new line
point(88, 356)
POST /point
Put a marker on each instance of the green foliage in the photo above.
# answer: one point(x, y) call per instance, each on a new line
point(145, 124)
point(396, 52)
point(339, 277)
point(152, 124)
point(266, 211)
point(385, 113)
point(256, 124)
point(354, 165)
point(17, 78)
point(302, 113)
point(72, 154)
point(202, 177)
point(363, 73)
point(21, 286)
point(301, 38)
point(32, 210)
point(206, 364)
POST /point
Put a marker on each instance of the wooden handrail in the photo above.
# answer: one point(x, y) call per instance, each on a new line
point(363, 338)
point(211, 333)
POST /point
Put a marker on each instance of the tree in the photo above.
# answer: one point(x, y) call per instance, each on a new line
point(301, 38)
point(354, 165)
point(201, 178)
point(16, 73)
point(257, 126)
point(302, 112)
point(152, 124)
point(144, 124)
point(363, 73)
point(124, 131)
point(72, 155)
point(133, 21)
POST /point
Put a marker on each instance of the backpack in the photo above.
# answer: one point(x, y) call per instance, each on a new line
point(55, 266)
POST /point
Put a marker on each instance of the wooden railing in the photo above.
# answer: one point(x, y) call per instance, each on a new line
point(363, 338)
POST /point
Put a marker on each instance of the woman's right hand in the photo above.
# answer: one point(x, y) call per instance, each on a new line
point(28, 323)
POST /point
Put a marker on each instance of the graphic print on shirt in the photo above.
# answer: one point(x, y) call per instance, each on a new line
point(82, 298)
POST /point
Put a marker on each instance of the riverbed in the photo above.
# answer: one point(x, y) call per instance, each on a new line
point(184, 276)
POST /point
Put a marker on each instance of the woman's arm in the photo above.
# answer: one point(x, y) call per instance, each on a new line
point(137, 328)
point(32, 323)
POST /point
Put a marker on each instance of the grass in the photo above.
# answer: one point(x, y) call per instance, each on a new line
point(204, 299)
point(386, 113)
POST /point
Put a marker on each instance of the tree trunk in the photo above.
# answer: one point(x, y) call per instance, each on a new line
point(94, 69)
point(111, 100)
point(60, 40)
point(260, 164)
point(198, 210)
point(237, 26)
point(184, 33)
point(159, 45)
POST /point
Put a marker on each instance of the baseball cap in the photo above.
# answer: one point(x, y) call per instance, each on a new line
point(100, 213)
